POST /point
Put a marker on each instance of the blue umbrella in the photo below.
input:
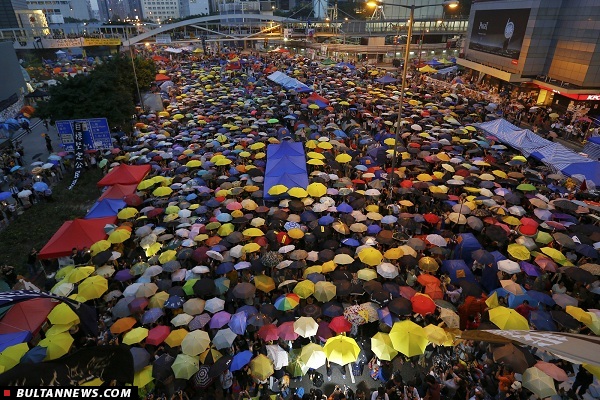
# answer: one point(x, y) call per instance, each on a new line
point(174, 302)
point(351, 242)
point(34, 356)
point(240, 360)
point(373, 229)
point(248, 310)
point(540, 297)
point(238, 323)
point(326, 220)
point(389, 219)
point(332, 309)
point(345, 208)
point(152, 315)
point(5, 195)
point(315, 277)
point(224, 268)
point(15, 168)
point(542, 320)
point(141, 358)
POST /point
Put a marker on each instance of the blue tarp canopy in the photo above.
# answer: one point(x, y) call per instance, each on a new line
point(457, 270)
point(105, 208)
point(386, 79)
point(345, 65)
point(286, 165)
point(448, 70)
point(467, 244)
point(288, 82)
point(592, 147)
point(550, 153)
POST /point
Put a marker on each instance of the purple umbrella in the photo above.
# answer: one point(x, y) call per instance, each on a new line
point(152, 315)
point(138, 304)
point(123, 275)
point(530, 269)
point(219, 320)
point(324, 332)
point(344, 208)
point(238, 323)
point(248, 310)
point(386, 316)
point(199, 321)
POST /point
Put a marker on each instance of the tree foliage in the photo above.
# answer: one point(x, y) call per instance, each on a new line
point(109, 91)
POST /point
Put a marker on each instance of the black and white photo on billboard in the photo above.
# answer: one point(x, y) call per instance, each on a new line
point(499, 32)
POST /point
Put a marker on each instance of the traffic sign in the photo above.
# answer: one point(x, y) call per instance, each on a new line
point(96, 134)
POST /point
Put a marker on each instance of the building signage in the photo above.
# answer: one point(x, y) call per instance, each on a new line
point(96, 134)
point(78, 129)
point(593, 97)
point(61, 43)
point(101, 42)
point(499, 32)
point(163, 39)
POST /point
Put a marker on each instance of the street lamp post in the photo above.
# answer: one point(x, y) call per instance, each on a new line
point(411, 21)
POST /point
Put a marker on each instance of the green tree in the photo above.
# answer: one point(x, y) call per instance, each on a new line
point(109, 91)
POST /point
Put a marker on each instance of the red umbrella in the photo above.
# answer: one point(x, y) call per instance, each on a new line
point(407, 292)
point(340, 325)
point(406, 184)
point(268, 332)
point(426, 279)
point(529, 221)
point(157, 335)
point(283, 239)
point(286, 331)
point(527, 230)
point(422, 304)
point(434, 291)
point(133, 200)
point(431, 218)
point(155, 213)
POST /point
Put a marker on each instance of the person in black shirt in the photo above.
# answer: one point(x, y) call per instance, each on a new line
point(31, 261)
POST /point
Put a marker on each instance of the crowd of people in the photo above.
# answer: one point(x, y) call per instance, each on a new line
point(259, 278)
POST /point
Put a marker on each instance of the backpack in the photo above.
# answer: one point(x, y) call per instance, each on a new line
point(318, 379)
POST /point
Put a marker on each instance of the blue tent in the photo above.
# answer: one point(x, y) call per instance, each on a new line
point(10, 339)
point(345, 65)
point(286, 165)
point(457, 270)
point(288, 82)
point(386, 79)
point(467, 244)
point(105, 208)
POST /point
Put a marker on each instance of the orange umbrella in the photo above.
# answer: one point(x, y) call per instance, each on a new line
point(426, 279)
point(123, 325)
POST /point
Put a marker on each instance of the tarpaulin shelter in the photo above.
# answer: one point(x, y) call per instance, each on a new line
point(125, 175)
point(78, 233)
point(317, 99)
point(118, 191)
point(467, 244)
point(286, 165)
point(105, 208)
point(288, 82)
point(457, 270)
point(161, 78)
point(427, 68)
point(592, 147)
point(448, 70)
point(27, 316)
point(555, 155)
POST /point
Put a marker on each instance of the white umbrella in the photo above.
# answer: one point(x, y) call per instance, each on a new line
point(278, 356)
point(436, 240)
point(24, 193)
point(509, 266)
point(224, 339)
point(214, 305)
point(387, 270)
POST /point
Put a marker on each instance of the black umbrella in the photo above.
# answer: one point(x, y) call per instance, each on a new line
point(326, 255)
point(495, 233)
point(578, 274)
point(564, 319)
point(483, 257)
point(381, 297)
point(161, 367)
point(372, 286)
point(171, 266)
point(220, 366)
point(311, 310)
point(201, 379)
point(204, 287)
point(469, 288)
point(102, 257)
point(340, 275)
point(333, 309)
point(400, 306)
point(176, 291)
point(243, 290)
point(408, 261)
point(518, 358)
point(343, 287)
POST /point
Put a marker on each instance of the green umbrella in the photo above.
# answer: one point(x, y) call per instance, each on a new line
point(273, 121)
point(102, 163)
point(526, 187)
point(188, 287)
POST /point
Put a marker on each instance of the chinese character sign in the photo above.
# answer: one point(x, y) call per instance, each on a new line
point(78, 150)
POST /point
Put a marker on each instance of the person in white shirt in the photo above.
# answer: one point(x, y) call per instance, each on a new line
point(410, 392)
point(380, 394)
point(559, 288)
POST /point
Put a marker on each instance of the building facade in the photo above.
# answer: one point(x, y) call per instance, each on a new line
point(550, 45)
point(57, 10)
point(160, 11)
point(8, 17)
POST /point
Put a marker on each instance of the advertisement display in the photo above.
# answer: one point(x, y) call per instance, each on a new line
point(499, 32)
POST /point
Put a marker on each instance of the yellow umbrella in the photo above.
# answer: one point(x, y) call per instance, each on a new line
point(316, 189)
point(538, 382)
point(210, 353)
point(367, 274)
point(176, 337)
point(64, 272)
point(193, 164)
point(146, 184)
point(225, 229)
point(251, 248)
point(508, 319)
point(79, 274)
point(594, 369)
point(93, 287)
point(153, 249)
point(492, 301)
point(314, 154)
point(195, 342)
point(424, 178)
point(162, 191)
point(264, 283)
point(306, 327)
point(167, 256)
point(223, 161)
point(185, 366)
point(277, 190)
point(594, 324)
point(381, 344)
point(119, 235)
point(100, 246)
point(257, 146)
point(554, 254)
point(11, 356)
point(436, 335)
point(127, 212)
point(408, 338)
point(298, 192)
point(370, 256)
point(313, 356)
point(261, 367)
point(62, 314)
point(313, 161)
point(136, 335)
point(296, 233)
point(343, 158)
point(324, 291)
point(143, 377)
point(579, 314)
point(253, 232)
point(56, 345)
point(518, 251)
point(325, 145)
point(304, 289)
point(341, 349)
point(393, 253)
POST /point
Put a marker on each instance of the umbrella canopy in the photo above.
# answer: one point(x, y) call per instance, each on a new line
point(538, 382)
point(506, 318)
point(408, 338)
point(341, 350)
point(261, 367)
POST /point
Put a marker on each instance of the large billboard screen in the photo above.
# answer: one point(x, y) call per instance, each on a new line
point(499, 32)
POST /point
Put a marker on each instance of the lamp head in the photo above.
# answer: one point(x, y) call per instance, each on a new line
point(451, 3)
point(372, 4)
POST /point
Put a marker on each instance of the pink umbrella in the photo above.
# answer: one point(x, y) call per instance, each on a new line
point(549, 369)
point(546, 263)
point(286, 331)
point(234, 206)
point(157, 335)
point(268, 332)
